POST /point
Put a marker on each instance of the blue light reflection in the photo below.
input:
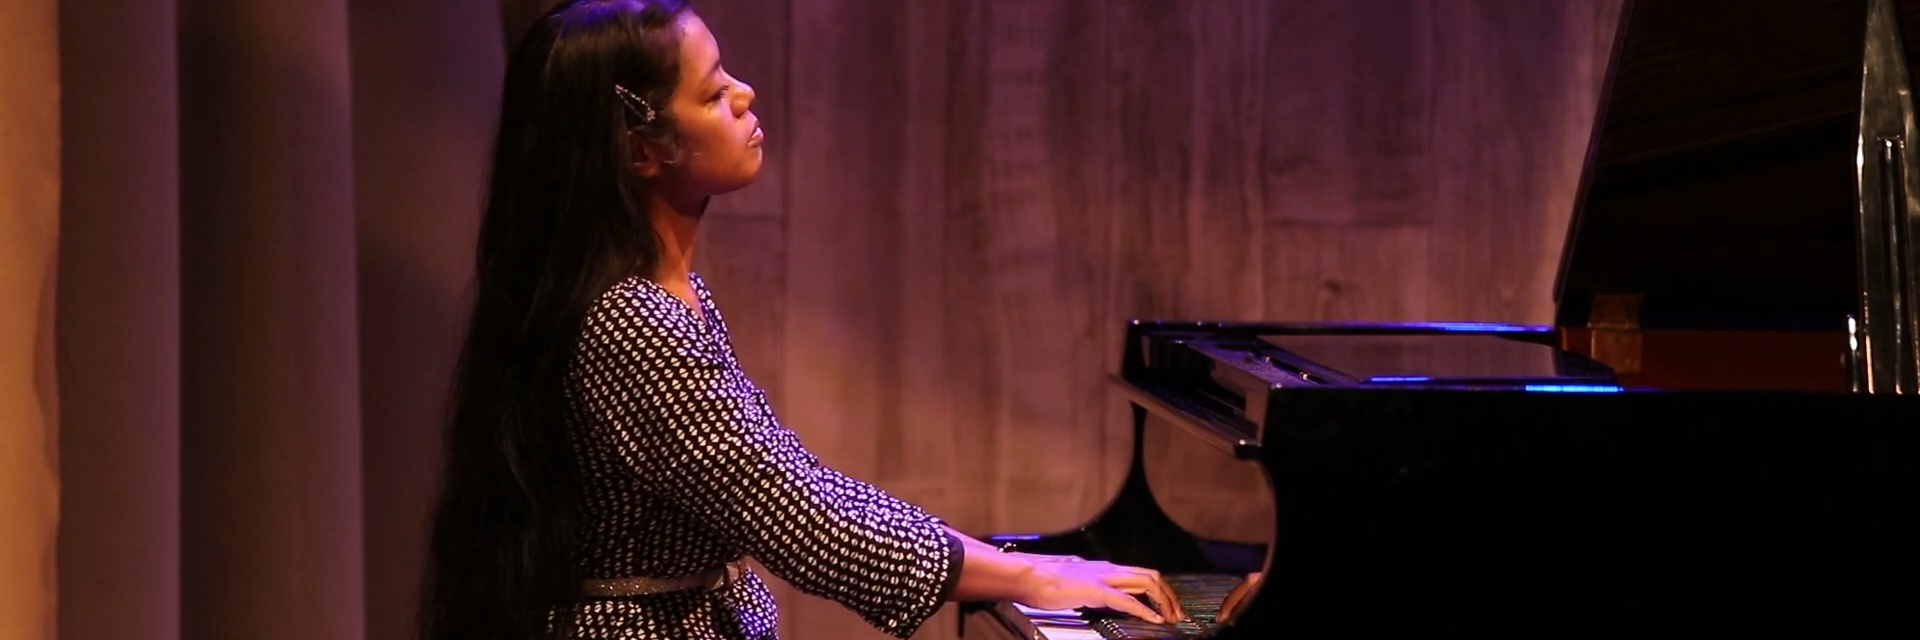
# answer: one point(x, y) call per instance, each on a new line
point(1475, 326)
point(1573, 388)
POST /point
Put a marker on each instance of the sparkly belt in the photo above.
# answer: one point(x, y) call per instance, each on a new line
point(620, 587)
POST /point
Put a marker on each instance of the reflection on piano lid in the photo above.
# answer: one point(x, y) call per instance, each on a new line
point(1715, 436)
point(1437, 358)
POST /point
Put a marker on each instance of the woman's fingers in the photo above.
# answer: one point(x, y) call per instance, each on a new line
point(1149, 584)
point(1230, 606)
point(1158, 590)
point(1119, 601)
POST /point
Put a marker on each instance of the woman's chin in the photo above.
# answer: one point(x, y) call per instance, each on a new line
point(751, 175)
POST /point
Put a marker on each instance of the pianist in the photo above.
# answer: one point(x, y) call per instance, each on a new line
point(608, 463)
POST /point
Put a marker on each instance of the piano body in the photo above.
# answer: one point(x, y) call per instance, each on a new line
point(1716, 435)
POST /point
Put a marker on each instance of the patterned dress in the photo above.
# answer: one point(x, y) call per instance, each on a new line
point(686, 468)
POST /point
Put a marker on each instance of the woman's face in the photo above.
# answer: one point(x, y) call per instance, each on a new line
point(719, 137)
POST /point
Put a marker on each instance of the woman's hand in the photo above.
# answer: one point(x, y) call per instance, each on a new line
point(1037, 558)
point(1070, 583)
point(1238, 596)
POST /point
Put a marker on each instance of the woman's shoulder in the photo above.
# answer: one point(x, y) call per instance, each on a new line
point(634, 301)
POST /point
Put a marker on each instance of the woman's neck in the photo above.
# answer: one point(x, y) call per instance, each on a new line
point(676, 227)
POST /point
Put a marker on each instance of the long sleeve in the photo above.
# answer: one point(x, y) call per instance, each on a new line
point(868, 495)
point(698, 435)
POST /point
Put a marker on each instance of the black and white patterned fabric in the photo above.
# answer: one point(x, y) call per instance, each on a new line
point(687, 468)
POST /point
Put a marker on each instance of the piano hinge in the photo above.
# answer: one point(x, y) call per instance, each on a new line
point(1614, 323)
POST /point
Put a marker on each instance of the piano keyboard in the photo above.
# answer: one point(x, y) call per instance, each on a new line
point(1199, 596)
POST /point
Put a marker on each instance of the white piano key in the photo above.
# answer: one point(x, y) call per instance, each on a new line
point(1054, 632)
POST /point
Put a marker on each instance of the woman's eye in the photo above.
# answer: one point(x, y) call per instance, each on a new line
point(722, 93)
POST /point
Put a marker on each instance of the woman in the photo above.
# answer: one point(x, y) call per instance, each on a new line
point(608, 463)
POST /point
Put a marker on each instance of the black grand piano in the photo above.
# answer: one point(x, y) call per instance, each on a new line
point(1716, 436)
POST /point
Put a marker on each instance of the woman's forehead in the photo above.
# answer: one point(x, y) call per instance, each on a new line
point(699, 51)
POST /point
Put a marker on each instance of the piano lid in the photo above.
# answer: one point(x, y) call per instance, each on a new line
point(1720, 182)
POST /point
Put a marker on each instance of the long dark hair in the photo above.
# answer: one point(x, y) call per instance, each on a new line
point(564, 220)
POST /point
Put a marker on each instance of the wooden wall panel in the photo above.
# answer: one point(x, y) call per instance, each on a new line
point(951, 453)
point(965, 200)
point(1347, 108)
point(1521, 80)
point(1026, 265)
point(30, 225)
point(1338, 272)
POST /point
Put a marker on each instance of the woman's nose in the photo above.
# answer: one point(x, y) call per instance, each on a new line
point(743, 98)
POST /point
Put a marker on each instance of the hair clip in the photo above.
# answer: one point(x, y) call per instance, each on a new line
point(635, 105)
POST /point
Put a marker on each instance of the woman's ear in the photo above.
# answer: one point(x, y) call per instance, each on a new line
point(646, 159)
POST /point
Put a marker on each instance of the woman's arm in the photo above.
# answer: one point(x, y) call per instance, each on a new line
point(972, 545)
point(986, 575)
point(660, 399)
